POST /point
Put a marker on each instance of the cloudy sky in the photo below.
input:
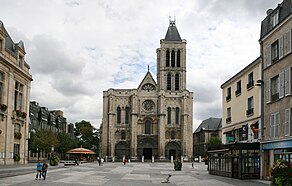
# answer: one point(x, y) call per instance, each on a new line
point(78, 48)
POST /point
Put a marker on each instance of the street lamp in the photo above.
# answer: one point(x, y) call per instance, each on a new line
point(261, 84)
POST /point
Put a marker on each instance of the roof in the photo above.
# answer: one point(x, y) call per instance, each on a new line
point(210, 124)
point(284, 9)
point(172, 33)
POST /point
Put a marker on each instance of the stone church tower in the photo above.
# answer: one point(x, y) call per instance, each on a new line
point(156, 119)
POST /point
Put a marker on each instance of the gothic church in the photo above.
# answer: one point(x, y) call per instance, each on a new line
point(156, 119)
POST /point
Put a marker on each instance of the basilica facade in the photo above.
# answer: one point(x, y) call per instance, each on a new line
point(156, 119)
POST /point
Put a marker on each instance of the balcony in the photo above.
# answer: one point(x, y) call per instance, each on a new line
point(238, 92)
point(228, 120)
point(249, 112)
point(275, 97)
point(249, 85)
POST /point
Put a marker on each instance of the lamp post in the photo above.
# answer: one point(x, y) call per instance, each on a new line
point(261, 84)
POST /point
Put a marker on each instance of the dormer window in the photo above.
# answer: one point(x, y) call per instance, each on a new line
point(20, 61)
point(1, 45)
point(275, 19)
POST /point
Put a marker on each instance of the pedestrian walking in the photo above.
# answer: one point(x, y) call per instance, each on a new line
point(39, 170)
point(101, 160)
point(125, 161)
point(98, 160)
point(44, 170)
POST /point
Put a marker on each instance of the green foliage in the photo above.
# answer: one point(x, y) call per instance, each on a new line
point(177, 165)
point(88, 135)
point(66, 143)
point(16, 157)
point(282, 173)
point(54, 160)
point(43, 140)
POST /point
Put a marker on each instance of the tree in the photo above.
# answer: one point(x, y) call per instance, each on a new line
point(66, 143)
point(213, 142)
point(45, 140)
point(88, 135)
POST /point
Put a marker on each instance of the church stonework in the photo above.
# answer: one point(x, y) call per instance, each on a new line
point(156, 119)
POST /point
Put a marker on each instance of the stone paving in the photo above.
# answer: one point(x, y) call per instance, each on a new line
point(133, 174)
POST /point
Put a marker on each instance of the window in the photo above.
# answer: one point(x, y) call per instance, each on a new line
point(274, 19)
point(275, 51)
point(16, 128)
point(118, 115)
point(228, 97)
point(1, 45)
point(177, 115)
point(168, 115)
point(16, 149)
point(20, 61)
point(18, 94)
point(287, 43)
point(274, 125)
point(178, 58)
point(172, 135)
point(287, 121)
point(123, 135)
point(238, 88)
point(249, 81)
point(167, 58)
point(287, 85)
point(275, 86)
point(127, 115)
point(168, 82)
point(147, 127)
point(1, 87)
point(249, 106)
point(172, 58)
point(228, 117)
point(176, 82)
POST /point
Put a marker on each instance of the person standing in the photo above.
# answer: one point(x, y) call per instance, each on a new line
point(44, 169)
point(39, 170)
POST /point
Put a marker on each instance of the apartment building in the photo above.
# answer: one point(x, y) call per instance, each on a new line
point(15, 83)
point(242, 105)
point(275, 41)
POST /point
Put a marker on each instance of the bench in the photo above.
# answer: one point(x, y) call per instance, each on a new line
point(66, 163)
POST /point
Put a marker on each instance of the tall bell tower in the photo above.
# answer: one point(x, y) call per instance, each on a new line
point(171, 61)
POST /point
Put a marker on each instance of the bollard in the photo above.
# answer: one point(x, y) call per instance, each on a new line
point(142, 159)
point(171, 159)
point(152, 159)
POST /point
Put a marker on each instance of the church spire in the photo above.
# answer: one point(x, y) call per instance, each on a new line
point(172, 32)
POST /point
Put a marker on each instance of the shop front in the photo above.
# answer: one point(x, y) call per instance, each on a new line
point(273, 151)
point(238, 160)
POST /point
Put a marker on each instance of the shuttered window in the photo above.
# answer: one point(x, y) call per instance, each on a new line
point(281, 47)
point(287, 121)
point(287, 42)
point(274, 125)
point(268, 91)
point(287, 81)
point(281, 91)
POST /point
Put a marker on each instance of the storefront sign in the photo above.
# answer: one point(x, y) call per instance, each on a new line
point(277, 145)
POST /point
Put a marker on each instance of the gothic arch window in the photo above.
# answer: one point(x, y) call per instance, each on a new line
point(119, 115)
point(172, 135)
point(167, 58)
point(168, 85)
point(178, 58)
point(123, 135)
point(168, 115)
point(172, 58)
point(177, 115)
point(147, 126)
point(127, 115)
point(176, 81)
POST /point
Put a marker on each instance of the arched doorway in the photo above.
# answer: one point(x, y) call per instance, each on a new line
point(147, 147)
point(122, 148)
point(173, 149)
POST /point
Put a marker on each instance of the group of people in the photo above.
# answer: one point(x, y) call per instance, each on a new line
point(42, 169)
point(100, 161)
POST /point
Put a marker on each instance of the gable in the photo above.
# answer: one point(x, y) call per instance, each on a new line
point(148, 83)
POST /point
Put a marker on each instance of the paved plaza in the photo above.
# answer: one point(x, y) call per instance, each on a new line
point(117, 174)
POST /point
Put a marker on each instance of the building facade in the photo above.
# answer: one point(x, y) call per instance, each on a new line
point(276, 55)
point(209, 128)
point(154, 120)
point(43, 118)
point(242, 106)
point(15, 85)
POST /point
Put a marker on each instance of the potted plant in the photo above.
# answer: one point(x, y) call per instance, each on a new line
point(177, 165)
point(3, 107)
point(54, 160)
point(281, 173)
point(16, 157)
point(17, 135)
